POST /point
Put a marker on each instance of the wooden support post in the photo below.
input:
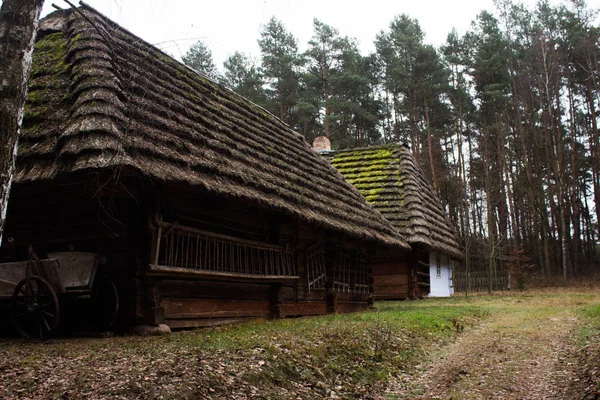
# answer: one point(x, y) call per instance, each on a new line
point(331, 301)
point(276, 300)
point(154, 314)
point(413, 259)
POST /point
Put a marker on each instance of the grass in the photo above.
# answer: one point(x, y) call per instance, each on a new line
point(592, 327)
point(360, 350)
point(527, 348)
point(309, 357)
point(589, 351)
point(350, 355)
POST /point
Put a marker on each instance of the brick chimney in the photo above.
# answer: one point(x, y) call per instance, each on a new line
point(321, 144)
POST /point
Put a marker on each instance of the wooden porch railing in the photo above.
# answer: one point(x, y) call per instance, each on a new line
point(189, 248)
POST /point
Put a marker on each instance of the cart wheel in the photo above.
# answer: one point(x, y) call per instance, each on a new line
point(105, 303)
point(35, 308)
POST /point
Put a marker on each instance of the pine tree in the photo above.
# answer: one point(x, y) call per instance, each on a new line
point(244, 77)
point(199, 58)
point(280, 62)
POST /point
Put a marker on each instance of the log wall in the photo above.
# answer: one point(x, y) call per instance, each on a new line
point(182, 301)
point(87, 213)
point(390, 279)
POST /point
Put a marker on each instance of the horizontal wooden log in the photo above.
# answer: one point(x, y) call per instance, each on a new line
point(390, 288)
point(284, 293)
point(391, 296)
point(201, 323)
point(396, 279)
point(214, 290)
point(389, 268)
point(351, 297)
point(290, 309)
point(313, 295)
point(176, 308)
point(161, 270)
point(344, 307)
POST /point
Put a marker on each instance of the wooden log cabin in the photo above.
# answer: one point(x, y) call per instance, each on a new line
point(391, 180)
point(208, 208)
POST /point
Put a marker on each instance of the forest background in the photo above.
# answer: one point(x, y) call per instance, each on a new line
point(503, 120)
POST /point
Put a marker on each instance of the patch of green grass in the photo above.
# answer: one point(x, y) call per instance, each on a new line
point(360, 349)
point(592, 312)
point(589, 349)
point(591, 329)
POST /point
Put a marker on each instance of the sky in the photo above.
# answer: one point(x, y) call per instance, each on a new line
point(227, 26)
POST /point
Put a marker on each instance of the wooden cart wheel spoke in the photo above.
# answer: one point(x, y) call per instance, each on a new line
point(34, 295)
point(46, 324)
point(35, 308)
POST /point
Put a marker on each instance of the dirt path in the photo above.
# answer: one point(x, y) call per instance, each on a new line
point(525, 350)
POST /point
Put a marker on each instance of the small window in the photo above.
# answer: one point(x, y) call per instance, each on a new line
point(438, 266)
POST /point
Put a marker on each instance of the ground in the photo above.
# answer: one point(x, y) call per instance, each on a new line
point(528, 348)
point(542, 344)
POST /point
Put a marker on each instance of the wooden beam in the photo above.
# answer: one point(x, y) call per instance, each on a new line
point(201, 323)
point(161, 270)
point(344, 307)
point(177, 308)
point(292, 309)
point(396, 279)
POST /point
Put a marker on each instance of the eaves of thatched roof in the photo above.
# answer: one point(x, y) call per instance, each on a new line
point(101, 98)
point(390, 179)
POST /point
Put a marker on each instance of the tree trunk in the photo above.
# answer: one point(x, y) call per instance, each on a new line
point(388, 116)
point(574, 196)
point(594, 149)
point(430, 146)
point(325, 78)
point(18, 27)
point(491, 223)
point(280, 96)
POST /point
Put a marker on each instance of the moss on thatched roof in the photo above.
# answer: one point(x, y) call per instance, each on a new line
point(101, 98)
point(390, 179)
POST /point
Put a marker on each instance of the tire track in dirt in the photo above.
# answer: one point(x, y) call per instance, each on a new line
point(524, 350)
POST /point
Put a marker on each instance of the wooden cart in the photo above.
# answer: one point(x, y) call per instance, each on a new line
point(36, 288)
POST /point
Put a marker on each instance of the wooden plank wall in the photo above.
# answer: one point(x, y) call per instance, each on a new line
point(94, 216)
point(184, 303)
point(189, 303)
point(390, 279)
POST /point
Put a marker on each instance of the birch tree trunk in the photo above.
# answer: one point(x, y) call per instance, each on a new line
point(18, 26)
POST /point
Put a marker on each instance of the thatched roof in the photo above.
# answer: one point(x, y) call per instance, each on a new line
point(101, 98)
point(390, 179)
